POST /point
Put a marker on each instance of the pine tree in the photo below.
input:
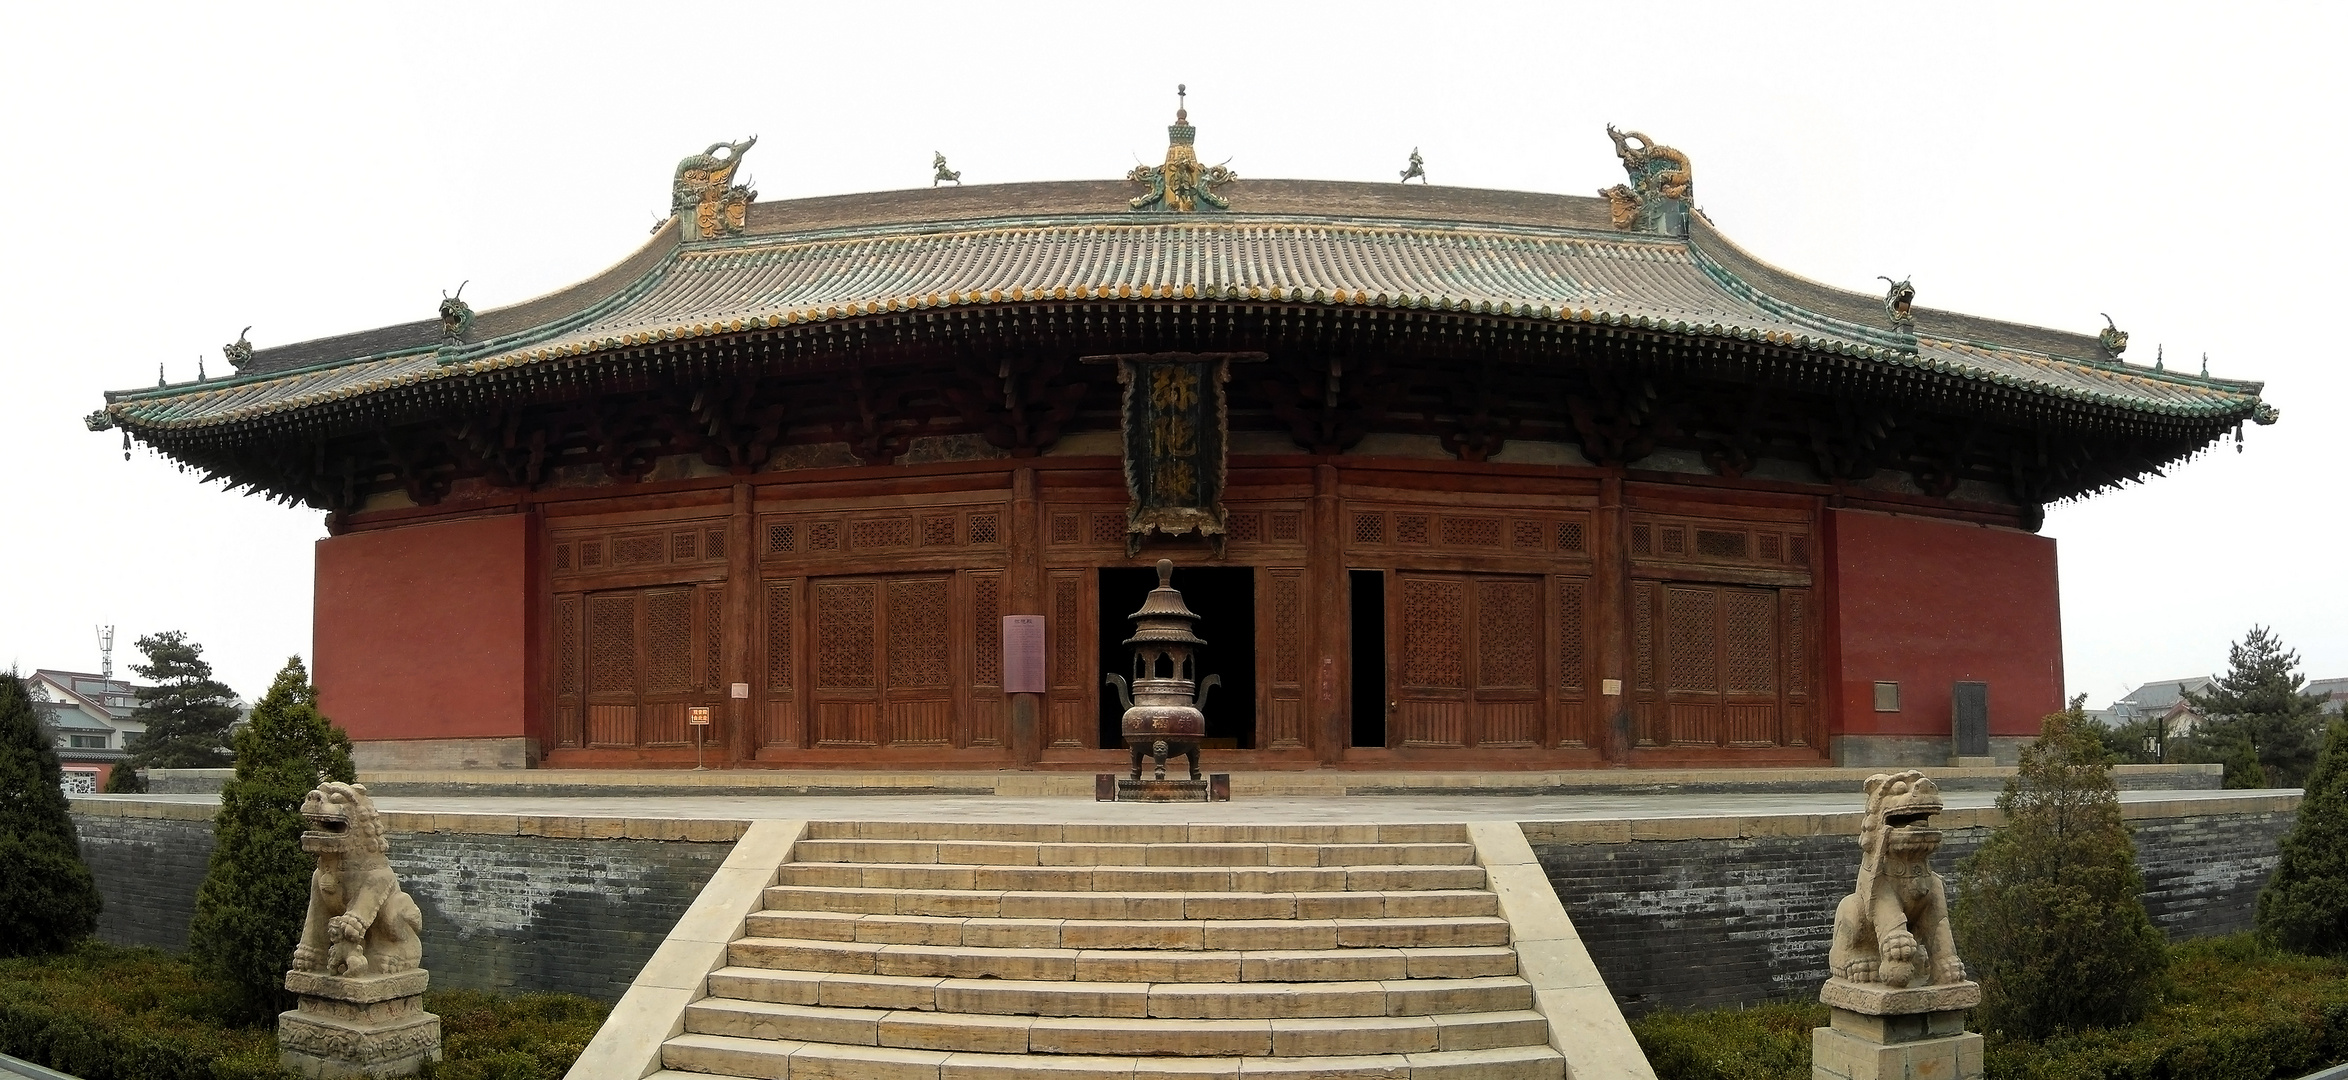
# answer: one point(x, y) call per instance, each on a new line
point(2304, 907)
point(47, 898)
point(250, 907)
point(187, 713)
point(2049, 913)
point(2258, 714)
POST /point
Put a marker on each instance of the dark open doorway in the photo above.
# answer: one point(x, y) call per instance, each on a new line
point(1225, 599)
point(1369, 656)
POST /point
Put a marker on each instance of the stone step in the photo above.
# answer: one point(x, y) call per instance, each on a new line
point(1236, 935)
point(1123, 965)
point(1129, 879)
point(740, 1057)
point(948, 903)
point(1020, 997)
point(1026, 853)
point(994, 1033)
point(1042, 833)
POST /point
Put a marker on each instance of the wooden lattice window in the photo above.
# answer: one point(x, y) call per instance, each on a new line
point(918, 627)
point(1508, 633)
point(986, 529)
point(1471, 532)
point(566, 645)
point(823, 536)
point(1369, 528)
point(1720, 544)
point(844, 615)
point(714, 546)
point(778, 636)
point(1246, 528)
point(684, 545)
point(638, 549)
point(1067, 528)
point(1287, 526)
point(668, 641)
point(1571, 536)
point(782, 537)
point(1411, 528)
point(881, 532)
point(1572, 640)
point(1108, 528)
point(986, 606)
point(1525, 534)
point(611, 643)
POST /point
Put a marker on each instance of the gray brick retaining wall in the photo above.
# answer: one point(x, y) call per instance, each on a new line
point(1706, 921)
point(501, 912)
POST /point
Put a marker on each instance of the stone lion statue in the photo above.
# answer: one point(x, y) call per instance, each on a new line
point(360, 923)
point(1893, 930)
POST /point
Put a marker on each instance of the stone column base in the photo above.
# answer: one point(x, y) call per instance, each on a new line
point(367, 1028)
point(1878, 1033)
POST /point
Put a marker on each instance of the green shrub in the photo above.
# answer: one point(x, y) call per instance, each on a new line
point(530, 1037)
point(2304, 907)
point(256, 892)
point(1763, 1042)
point(2049, 914)
point(47, 897)
point(106, 1013)
point(103, 1012)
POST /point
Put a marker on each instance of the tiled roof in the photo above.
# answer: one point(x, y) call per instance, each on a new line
point(1507, 254)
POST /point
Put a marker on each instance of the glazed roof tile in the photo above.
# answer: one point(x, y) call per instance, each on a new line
point(1520, 255)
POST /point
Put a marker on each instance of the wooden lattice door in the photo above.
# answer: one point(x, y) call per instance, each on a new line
point(631, 663)
point(883, 661)
point(1728, 662)
point(1468, 671)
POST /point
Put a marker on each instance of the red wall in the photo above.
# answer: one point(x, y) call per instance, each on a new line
point(421, 632)
point(1927, 602)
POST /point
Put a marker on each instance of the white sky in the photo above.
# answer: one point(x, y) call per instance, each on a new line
point(172, 173)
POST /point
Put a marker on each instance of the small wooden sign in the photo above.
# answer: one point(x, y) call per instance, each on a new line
point(1023, 654)
point(698, 716)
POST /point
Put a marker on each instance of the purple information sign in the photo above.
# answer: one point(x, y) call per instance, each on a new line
point(1023, 654)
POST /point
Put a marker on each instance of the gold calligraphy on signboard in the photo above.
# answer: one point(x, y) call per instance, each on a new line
point(1176, 428)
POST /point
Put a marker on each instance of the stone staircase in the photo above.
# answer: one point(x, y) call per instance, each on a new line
point(980, 951)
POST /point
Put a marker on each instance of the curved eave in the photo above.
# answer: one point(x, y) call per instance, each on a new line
point(667, 292)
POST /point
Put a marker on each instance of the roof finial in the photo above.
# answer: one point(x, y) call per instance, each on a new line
point(240, 351)
point(1181, 183)
point(1181, 103)
point(2160, 357)
point(1418, 167)
point(2205, 365)
point(159, 383)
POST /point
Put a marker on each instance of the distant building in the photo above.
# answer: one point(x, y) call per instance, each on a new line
point(92, 716)
point(2333, 691)
point(2165, 700)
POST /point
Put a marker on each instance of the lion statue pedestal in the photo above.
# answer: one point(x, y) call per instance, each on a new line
point(1899, 992)
point(357, 969)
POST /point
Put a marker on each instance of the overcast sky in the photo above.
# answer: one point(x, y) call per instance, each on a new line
point(173, 173)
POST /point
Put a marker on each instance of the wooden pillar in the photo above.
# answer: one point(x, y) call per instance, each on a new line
point(1328, 636)
point(741, 615)
point(1025, 574)
point(1611, 581)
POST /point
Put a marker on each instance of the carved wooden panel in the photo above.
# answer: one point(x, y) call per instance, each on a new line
point(986, 720)
point(884, 658)
point(692, 546)
point(1471, 532)
point(879, 535)
point(629, 662)
point(1284, 596)
point(1720, 542)
point(1508, 647)
point(668, 641)
point(1573, 662)
point(846, 613)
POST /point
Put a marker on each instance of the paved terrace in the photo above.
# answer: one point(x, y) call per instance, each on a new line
point(1600, 816)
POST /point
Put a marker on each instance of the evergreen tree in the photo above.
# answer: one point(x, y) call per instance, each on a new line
point(250, 908)
point(2258, 714)
point(187, 713)
point(125, 780)
point(2304, 907)
point(47, 897)
point(2049, 911)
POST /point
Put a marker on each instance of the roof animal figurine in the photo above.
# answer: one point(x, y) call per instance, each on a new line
point(2113, 339)
point(1898, 300)
point(1418, 167)
point(937, 162)
point(1662, 182)
point(1181, 183)
point(238, 352)
point(1893, 930)
point(705, 195)
point(456, 316)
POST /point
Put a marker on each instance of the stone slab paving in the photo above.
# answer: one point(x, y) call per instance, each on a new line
point(1274, 810)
